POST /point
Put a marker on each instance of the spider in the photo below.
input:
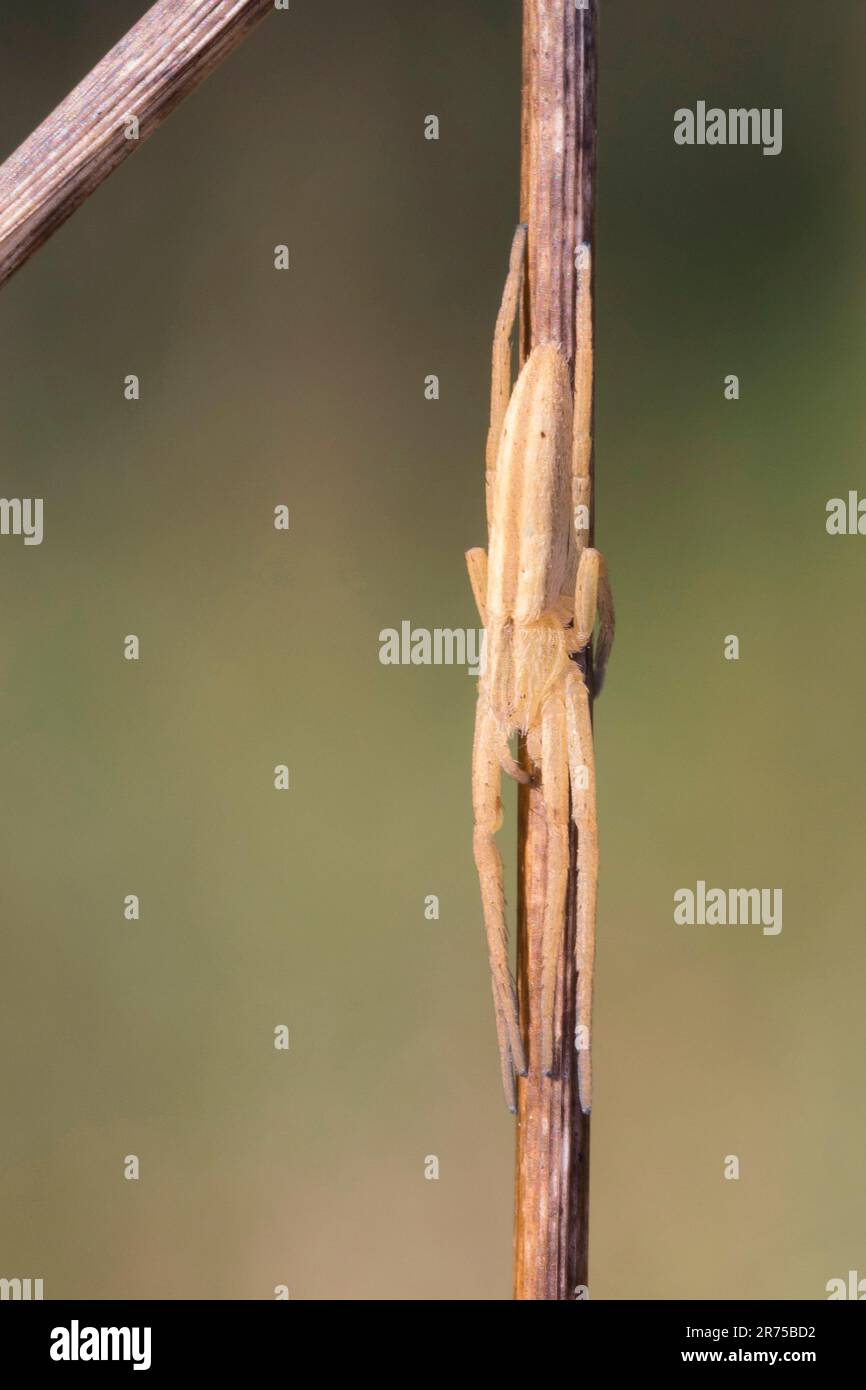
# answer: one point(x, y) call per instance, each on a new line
point(538, 594)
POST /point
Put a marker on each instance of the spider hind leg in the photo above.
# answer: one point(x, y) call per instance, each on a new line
point(487, 810)
point(581, 763)
point(554, 779)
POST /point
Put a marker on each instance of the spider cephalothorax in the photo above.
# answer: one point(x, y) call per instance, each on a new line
point(538, 593)
point(525, 661)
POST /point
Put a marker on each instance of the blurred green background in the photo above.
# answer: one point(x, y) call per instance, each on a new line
point(307, 908)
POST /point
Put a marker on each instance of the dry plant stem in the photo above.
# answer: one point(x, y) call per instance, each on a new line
point(557, 203)
point(162, 58)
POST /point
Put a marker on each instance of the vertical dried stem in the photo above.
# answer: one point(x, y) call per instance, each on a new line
point(557, 203)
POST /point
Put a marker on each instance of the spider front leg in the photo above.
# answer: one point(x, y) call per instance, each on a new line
point(581, 763)
point(487, 810)
point(500, 375)
point(592, 595)
point(476, 563)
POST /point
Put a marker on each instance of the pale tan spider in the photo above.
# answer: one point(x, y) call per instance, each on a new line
point(538, 595)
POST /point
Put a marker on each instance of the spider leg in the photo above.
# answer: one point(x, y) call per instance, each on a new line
point(581, 762)
point(500, 381)
point(581, 458)
point(476, 563)
point(487, 810)
point(592, 595)
point(554, 781)
point(512, 768)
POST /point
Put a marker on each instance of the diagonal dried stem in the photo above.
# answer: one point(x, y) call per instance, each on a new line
point(160, 61)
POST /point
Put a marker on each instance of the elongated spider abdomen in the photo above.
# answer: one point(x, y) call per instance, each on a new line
point(531, 532)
